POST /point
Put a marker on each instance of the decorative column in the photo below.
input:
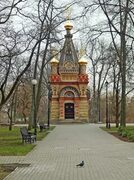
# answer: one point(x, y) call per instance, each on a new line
point(54, 81)
point(83, 81)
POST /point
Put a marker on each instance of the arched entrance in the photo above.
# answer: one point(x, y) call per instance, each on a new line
point(69, 103)
point(69, 111)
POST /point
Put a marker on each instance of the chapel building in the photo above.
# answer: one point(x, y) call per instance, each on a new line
point(68, 79)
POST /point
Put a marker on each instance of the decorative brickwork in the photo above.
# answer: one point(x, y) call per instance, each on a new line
point(69, 85)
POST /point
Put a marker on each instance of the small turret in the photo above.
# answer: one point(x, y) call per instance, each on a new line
point(54, 65)
point(82, 63)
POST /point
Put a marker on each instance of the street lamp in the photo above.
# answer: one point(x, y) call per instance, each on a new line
point(34, 82)
point(9, 112)
point(49, 100)
point(106, 83)
point(110, 114)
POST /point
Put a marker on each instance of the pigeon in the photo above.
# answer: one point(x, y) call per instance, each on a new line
point(81, 164)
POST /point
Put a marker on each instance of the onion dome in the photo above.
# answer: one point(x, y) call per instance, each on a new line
point(68, 25)
point(83, 61)
point(54, 60)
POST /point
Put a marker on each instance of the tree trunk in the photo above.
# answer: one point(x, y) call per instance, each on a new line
point(99, 107)
point(117, 108)
point(123, 26)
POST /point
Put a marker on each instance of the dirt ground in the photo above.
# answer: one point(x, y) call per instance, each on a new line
point(120, 137)
point(5, 170)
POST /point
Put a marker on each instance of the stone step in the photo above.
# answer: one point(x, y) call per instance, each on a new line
point(70, 121)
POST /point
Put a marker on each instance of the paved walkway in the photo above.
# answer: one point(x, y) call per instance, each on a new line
point(55, 157)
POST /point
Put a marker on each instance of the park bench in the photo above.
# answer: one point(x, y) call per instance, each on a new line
point(43, 126)
point(27, 137)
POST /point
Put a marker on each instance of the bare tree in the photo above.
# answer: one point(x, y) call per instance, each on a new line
point(13, 62)
point(119, 25)
point(101, 64)
point(9, 8)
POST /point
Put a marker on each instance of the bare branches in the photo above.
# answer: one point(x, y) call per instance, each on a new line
point(118, 22)
point(6, 9)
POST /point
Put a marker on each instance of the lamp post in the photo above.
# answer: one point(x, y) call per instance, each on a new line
point(34, 82)
point(106, 83)
point(49, 100)
point(110, 114)
point(9, 112)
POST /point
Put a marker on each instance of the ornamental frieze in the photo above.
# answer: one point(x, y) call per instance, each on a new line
point(69, 90)
point(55, 78)
point(83, 78)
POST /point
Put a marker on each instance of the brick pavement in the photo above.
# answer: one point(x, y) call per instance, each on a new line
point(55, 157)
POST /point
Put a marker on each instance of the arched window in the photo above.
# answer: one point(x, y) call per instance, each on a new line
point(69, 94)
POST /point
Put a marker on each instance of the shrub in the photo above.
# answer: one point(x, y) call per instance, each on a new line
point(120, 130)
point(130, 136)
point(124, 133)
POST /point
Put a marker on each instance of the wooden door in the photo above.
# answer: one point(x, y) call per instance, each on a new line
point(69, 110)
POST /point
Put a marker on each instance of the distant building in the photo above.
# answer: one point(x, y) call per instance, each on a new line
point(69, 84)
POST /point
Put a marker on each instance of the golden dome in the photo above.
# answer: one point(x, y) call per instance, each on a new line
point(83, 61)
point(68, 25)
point(54, 60)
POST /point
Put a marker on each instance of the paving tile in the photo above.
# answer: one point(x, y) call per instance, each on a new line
point(56, 156)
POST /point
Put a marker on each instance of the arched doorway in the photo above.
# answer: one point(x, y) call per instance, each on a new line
point(69, 110)
point(69, 103)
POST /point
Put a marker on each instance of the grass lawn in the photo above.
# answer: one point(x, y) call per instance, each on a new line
point(11, 142)
point(110, 130)
point(122, 133)
point(11, 145)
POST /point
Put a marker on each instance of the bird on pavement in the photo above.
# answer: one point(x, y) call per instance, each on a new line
point(81, 164)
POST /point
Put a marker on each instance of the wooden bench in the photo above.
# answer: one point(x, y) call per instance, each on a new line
point(43, 126)
point(27, 137)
